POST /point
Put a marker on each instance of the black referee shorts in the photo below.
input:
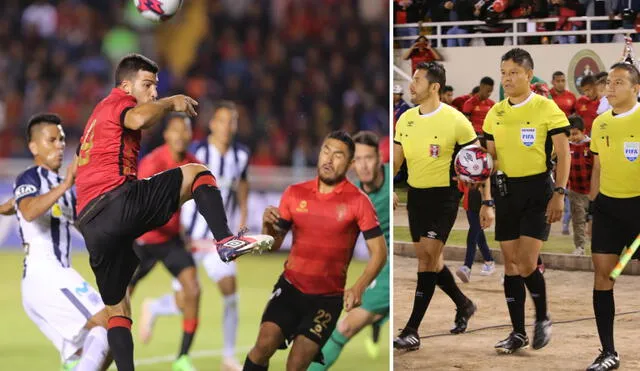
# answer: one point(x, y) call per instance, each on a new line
point(432, 212)
point(615, 224)
point(172, 254)
point(522, 211)
point(111, 222)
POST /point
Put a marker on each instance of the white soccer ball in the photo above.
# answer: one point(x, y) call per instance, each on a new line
point(158, 10)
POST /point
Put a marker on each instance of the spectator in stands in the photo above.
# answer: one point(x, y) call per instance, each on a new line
point(421, 51)
point(459, 102)
point(565, 9)
point(565, 99)
point(599, 8)
point(399, 104)
point(587, 105)
point(459, 10)
point(446, 96)
point(476, 107)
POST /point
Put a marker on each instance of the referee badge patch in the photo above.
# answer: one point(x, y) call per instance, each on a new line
point(434, 150)
point(631, 150)
point(528, 136)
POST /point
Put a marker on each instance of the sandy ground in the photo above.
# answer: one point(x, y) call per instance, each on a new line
point(573, 346)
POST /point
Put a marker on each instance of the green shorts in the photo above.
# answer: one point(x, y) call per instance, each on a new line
point(376, 297)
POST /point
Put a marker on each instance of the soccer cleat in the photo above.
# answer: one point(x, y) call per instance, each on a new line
point(488, 269)
point(183, 363)
point(70, 365)
point(407, 340)
point(542, 333)
point(233, 247)
point(605, 361)
point(231, 364)
point(513, 343)
point(147, 320)
point(579, 251)
point(462, 317)
point(372, 348)
point(464, 273)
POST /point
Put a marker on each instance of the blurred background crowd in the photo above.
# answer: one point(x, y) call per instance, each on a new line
point(296, 69)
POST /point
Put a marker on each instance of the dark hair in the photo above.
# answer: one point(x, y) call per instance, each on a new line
point(587, 80)
point(41, 118)
point(345, 138)
point(224, 104)
point(520, 57)
point(486, 81)
point(368, 138)
point(475, 90)
point(447, 88)
point(601, 77)
point(131, 64)
point(633, 71)
point(576, 122)
point(175, 115)
point(435, 73)
point(556, 74)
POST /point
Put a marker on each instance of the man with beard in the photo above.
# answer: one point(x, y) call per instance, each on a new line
point(325, 215)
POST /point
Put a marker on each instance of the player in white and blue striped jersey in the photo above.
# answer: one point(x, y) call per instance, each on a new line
point(228, 161)
point(56, 298)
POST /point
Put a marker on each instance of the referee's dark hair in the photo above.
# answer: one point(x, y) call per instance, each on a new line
point(131, 64)
point(576, 122)
point(435, 73)
point(368, 138)
point(520, 57)
point(345, 138)
point(634, 75)
point(41, 118)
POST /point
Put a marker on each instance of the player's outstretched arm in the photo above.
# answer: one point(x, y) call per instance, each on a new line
point(8, 208)
point(378, 257)
point(145, 116)
point(272, 225)
point(33, 207)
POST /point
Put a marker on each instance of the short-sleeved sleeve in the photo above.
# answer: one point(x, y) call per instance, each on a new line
point(465, 134)
point(367, 218)
point(487, 126)
point(27, 185)
point(121, 107)
point(401, 127)
point(595, 134)
point(558, 122)
point(286, 218)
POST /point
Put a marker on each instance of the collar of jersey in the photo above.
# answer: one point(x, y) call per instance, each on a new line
point(432, 112)
point(624, 114)
point(530, 97)
point(338, 189)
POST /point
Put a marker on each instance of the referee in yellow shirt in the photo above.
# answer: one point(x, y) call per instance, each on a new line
point(521, 132)
point(615, 191)
point(428, 136)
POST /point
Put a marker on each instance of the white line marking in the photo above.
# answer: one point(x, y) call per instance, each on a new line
point(211, 353)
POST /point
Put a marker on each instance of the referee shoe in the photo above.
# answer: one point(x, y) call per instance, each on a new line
point(407, 340)
point(513, 343)
point(605, 361)
point(233, 247)
point(542, 333)
point(462, 317)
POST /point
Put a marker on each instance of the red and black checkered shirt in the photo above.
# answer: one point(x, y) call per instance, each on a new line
point(581, 165)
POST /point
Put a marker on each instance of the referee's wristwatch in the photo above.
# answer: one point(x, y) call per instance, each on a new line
point(561, 190)
point(490, 203)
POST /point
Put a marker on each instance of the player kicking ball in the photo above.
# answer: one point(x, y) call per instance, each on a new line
point(325, 215)
point(114, 208)
point(56, 298)
point(374, 181)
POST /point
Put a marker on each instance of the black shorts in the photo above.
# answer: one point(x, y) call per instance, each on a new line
point(312, 316)
point(111, 222)
point(615, 224)
point(172, 254)
point(522, 211)
point(432, 212)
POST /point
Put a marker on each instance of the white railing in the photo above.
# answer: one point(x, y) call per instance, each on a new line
point(514, 33)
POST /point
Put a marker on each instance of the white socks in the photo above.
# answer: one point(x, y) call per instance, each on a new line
point(94, 350)
point(230, 324)
point(164, 306)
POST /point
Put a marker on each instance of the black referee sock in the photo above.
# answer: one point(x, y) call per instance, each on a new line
point(604, 308)
point(424, 292)
point(447, 283)
point(250, 366)
point(536, 285)
point(209, 202)
point(515, 294)
point(121, 342)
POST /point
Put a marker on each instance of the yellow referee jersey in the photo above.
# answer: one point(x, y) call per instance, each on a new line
point(616, 141)
point(428, 142)
point(522, 134)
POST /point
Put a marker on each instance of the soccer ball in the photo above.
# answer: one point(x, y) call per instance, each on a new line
point(473, 164)
point(158, 10)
